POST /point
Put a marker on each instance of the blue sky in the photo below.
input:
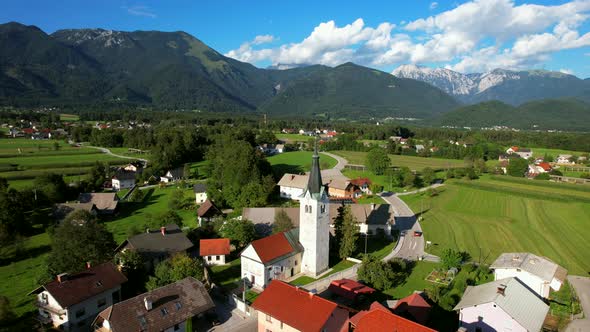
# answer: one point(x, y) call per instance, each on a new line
point(467, 36)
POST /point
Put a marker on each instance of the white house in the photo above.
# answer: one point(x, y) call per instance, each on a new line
point(71, 302)
point(214, 251)
point(172, 175)
point(539, 273)
point(292, 185)
point(166, 309)
point(200, 190)
point(564, 159)
point(501, 305)
point(123, 180)
point(135, 166)
point(521, 152)
point(274, 257)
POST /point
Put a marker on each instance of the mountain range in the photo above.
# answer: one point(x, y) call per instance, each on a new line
point(511, 87)
point(174, 70)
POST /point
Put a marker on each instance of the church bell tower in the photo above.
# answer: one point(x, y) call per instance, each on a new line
point(314, 222)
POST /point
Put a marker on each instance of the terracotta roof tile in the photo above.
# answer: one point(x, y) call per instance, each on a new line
point(379, 318)
point(295, 306)
point(210, 247)
point(208, 209)
point(273, 246)
point(349, 289)
point(414, 306)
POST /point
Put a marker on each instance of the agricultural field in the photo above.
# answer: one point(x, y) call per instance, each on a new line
point(292, 138)
point(555, 152)
point(297, 162)
point(21, 160)
point(69, 117)
point(413, 162)
point(500, 214)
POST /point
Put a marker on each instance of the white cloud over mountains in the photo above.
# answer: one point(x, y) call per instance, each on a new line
point(475, 36)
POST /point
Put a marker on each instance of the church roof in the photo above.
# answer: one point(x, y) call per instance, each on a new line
point(277, 246)
point(314, 184)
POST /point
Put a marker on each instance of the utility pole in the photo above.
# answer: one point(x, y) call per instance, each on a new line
point(366, 235)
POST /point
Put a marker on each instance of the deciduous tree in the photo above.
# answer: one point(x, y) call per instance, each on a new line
point(350, 230)
point(377, 161)
point(282, 222)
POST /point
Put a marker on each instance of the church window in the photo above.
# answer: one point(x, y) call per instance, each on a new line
point(306, 209)
point(310, 209)
point(323, 208)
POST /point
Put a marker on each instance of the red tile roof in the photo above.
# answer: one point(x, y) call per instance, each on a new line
point(81, 286)
point(514, 148)
point(361, 181)
point(380, 318)
point(545, 166)
point(294, 306)
point(272, 247)
point(210, 247)
point(349, 289)
point(415, 306)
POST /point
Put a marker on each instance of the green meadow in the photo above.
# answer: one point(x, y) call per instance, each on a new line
point(498, 214)
point(412, 162)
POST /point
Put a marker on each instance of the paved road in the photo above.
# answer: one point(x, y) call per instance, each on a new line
point(336, 171)
point(109, 152)
point(435, 185)
point(582, 287)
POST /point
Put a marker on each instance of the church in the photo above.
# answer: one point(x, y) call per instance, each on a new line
point(301, 250)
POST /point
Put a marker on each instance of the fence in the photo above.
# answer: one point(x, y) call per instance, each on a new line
point(356, 167)
point(236, 302)
point(569, 179)
point(577, 168)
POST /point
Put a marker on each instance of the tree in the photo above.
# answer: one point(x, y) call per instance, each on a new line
point(377, 161)
point(56, 146)
point(6, 312)
point(428, 175)
point(240, 232)
point(451, 258)
point(409, 178)
point(52, 186)
point(98, 174)
point(79, 217)
point(176, 200)
point(176, 268)
point(282, 222)
point(517, 167)
point(383, 275)
point(480, 166)
point(137, 196)
point(170, 217)
point(133, 267)
point(72, 245)
point(350, 231)
point(186, 171)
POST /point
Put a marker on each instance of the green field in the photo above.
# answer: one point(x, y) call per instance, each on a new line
point(414, 163)
point(554, 152)
point(297, 162)
point(21, 160)
point(69, 117)
point(292, 138)
point(496, 214)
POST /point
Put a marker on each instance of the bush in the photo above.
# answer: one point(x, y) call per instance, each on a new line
point(542, 176)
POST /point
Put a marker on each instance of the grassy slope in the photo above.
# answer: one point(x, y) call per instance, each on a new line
point(507, 217)
point(297, 162)
point(414, 163)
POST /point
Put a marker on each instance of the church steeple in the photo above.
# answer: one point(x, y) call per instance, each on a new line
point(314, 184)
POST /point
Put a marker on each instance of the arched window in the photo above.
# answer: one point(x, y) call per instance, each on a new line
point(323, 209)
point(310, 209)
point(306, 209)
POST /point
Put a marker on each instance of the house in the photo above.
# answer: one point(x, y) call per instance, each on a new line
point(156, 246)
point(214, 251)
point(371, 218)
point(106, 203)
point(403, 141)
point(413, 307)
point(343, 189)
point(123, 180)
point(173, 175)
point(419, 147)
point(285, 307)
point(61, 210)
point(395, 138)
point(506, 157)
point(277, 256)
point(200, 190)
point(536, 169)
point(380, 318)
point(167, 308)
point(292, 185)
point(501, 305)
point(564, 159)
point(279, 148)
point(349, 289)
point(207, 211)
point(539, 273)
point(136, 166)
point(71, 302)
point(363, 184)
point(521, 152)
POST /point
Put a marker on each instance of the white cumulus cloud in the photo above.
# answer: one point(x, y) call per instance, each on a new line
point(478, 35)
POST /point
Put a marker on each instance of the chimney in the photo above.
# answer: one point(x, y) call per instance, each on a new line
point(311, 295)
point(163, 230)
point(62, 277)
point(501, 289)
point(88, 265)
point(148, 303)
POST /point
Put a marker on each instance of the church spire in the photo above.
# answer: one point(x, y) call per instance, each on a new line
point(314, 184)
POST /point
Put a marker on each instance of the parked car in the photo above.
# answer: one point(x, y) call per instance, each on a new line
point(417, 233)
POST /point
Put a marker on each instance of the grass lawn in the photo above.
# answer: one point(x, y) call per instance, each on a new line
point(69, 117)
point(138, 214)
point(341, 265)
point(303, 280)
point(562, 305)
point(554, 152)
point(368, 199)
point(413, 162)
point(383, 180)
point(416, 280)
point(19, 278)
point(495, 214)
point(228, 275)
point(297, 162)
point(292, 138)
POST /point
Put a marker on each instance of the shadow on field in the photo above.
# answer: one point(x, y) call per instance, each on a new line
point(279, 170)
point(130, 208)
point(24, 254)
